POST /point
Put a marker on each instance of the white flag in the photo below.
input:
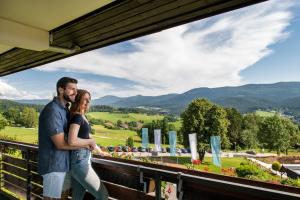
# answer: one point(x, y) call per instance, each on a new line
point(157, 139)
point(193, 145)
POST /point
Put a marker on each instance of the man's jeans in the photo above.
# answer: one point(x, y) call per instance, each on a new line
point(84, 177)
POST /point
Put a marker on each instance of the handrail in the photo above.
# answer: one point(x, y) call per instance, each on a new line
point(229, 185)
point(186, 182)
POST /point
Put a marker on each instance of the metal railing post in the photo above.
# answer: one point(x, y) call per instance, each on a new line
point(179, 192)
point(157, 186)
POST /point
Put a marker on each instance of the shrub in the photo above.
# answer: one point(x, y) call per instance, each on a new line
point(292, 182)
point(276, 166)
point(93, 131)
point(251, 171)
point(245, 170)
point(251, 152)
point(129, 142)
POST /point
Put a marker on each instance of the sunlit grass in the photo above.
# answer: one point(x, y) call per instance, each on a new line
point(114, 117)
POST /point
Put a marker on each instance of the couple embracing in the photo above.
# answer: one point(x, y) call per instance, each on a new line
point(65, 145)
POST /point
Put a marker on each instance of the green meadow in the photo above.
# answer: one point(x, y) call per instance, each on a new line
point(29, 135)
point(114, 117)
point(103, 136)
point(264, 113)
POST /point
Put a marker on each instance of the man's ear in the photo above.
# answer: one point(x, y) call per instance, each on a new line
point(60, 90)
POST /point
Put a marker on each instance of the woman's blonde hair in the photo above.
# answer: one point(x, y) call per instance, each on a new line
point(76, 106)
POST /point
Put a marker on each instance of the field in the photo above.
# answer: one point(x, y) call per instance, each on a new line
point(265, 113)
point(103, 136)
point(114, 117)
point(29, 135)
point(106, 137)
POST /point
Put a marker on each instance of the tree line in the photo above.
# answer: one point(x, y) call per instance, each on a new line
point(237, 131)
point(19, 116)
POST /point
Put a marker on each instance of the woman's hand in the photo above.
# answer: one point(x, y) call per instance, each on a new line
point(98, 151)
point(92, 144)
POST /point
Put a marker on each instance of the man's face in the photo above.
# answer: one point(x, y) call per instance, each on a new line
point(70, 92)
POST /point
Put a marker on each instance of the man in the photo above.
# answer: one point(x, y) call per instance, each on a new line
point(53, 158)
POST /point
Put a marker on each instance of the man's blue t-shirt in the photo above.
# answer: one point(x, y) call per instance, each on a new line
point(52, 120)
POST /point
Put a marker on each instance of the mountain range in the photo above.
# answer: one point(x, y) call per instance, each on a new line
point(284, 96)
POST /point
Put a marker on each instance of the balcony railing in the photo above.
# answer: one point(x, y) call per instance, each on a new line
point(127, 179)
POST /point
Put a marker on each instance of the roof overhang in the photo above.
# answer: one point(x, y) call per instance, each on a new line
point(33, 33)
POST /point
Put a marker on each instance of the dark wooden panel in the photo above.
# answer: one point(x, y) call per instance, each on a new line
point(35, 195)
point(121, 192)
point(14, 161)
point(15, 170)
point(37, 191)
point(14, 180)
point(36, 178)
point(104, 24)
point(26, 58)
point(15, 189)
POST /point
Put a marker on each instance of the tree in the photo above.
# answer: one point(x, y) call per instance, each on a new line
point(217, 125)
point(163, 125)
point(13, 115)
point(274, 134)
point(29, 117)
point(129, 142)
point(235, 127)
point(119, 123)
point(3, 122)
point(293, 132)
point(206, 119)
point(250, 127)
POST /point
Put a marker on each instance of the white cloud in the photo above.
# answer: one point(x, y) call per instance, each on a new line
point(99, 89)
point(9, 92)
point(208, 53)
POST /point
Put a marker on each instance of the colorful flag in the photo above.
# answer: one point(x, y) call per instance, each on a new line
point(157, 140)
point(216, 150)
point(193, 145)
point(172, 142)
point(145, 139)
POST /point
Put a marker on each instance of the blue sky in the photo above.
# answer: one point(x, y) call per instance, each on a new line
point(257, 44)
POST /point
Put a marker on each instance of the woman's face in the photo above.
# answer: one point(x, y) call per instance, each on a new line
point(86, 102)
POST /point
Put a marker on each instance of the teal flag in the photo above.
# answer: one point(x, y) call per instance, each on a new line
point(216, 150)
point(145, 139)
point(172, 142)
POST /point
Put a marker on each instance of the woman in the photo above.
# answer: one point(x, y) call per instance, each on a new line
point(83, 175)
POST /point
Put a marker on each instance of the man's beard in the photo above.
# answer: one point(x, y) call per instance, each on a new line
point(67, 98)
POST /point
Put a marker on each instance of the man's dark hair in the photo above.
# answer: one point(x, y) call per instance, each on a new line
point(63, 82)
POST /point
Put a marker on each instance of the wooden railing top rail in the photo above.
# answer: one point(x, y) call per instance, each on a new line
point(192, 180)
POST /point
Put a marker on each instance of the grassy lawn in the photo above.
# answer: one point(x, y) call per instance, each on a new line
point(29, 135)
point(103, 136)
point(106, 137)
point(265, 113)
point(114, 117)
